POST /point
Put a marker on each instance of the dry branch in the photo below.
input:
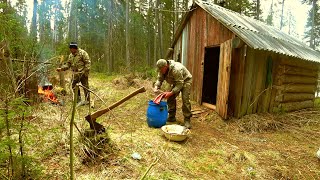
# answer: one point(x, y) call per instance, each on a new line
point(151, 165)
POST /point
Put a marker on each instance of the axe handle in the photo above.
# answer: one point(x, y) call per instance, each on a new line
point(99, 113)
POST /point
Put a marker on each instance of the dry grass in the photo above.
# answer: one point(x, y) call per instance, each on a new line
point(276, 122)
point(260, 146)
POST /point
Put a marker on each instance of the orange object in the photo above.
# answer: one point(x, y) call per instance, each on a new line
point(158, 99)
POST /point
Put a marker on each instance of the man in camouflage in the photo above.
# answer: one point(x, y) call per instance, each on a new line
point(79, 62)
point(180, 79)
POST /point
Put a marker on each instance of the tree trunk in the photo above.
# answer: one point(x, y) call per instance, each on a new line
point(281, 20)
point(6, 112)
point(72, 26)
point(312, 37)
point(127, 36)
point(175, 23)
point(110, 38)
point(258, 10)
point(33, 30)
point(160, 35)
point(156, 32)
point(23, 166)
point(61, 74)
point(75, 97)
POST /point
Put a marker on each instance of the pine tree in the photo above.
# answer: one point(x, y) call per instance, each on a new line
point(313, 25)
point(269, 19)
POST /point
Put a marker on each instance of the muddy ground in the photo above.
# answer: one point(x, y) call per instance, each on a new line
point(263, 146)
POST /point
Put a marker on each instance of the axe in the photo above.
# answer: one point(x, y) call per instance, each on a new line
point(91, 118)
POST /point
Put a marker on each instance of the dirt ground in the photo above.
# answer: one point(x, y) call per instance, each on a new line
point(260, 146)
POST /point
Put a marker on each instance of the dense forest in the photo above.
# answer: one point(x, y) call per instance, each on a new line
point(120, 36)
point(117, 33)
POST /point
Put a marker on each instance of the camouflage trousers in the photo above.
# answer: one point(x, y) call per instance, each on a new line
point(186, 105)
point(83, 78)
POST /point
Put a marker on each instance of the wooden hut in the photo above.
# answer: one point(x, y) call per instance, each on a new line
point(242, 66)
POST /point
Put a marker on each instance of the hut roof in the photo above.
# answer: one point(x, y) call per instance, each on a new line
point(259, 35)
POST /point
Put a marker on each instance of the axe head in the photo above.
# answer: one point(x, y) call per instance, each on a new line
point(98, 128)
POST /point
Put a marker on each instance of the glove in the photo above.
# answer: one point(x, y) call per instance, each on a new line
point(168, 94)
point(156, 90)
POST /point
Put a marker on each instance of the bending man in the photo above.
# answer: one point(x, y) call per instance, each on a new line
point(180, 79)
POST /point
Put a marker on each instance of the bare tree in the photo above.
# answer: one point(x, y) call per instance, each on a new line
point(127, 35)
point(34, 21)
point(312, 37)
point(258, 10)
point(281, 20)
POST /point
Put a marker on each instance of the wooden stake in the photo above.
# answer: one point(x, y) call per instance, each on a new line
point(75, 96)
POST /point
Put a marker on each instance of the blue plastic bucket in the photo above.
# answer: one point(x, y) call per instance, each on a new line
point(157, 114)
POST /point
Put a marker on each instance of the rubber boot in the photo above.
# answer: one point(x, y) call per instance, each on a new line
point(171, 119)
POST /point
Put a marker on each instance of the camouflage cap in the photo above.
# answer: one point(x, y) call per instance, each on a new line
point(161, 63)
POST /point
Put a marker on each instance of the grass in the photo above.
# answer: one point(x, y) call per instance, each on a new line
point(317, 102)
point(260, 146)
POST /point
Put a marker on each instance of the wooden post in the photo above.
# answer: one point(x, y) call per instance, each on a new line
point(61, 74)
point(75, 97)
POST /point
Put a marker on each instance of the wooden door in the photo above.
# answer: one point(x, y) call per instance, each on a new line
point(224, 79)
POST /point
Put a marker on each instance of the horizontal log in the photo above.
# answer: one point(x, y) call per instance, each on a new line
point(300, 63)
point(298, 88)
point(294, 97)
point(296, 79)
point(210, 106)
point(293, 106)
point(291, 70)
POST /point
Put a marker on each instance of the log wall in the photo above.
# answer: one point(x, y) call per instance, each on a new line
point(250, 89)
point(296, 84)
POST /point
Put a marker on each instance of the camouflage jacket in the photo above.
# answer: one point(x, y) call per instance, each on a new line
point(78, 63)
point(177, 76)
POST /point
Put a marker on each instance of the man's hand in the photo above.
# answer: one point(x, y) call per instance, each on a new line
point(59, 69)
point(168, 94)
point(156, 90)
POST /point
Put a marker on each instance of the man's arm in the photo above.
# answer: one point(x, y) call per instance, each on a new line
point(159, 81)
point(178, 79)
point(87, 63)
point(65, 66)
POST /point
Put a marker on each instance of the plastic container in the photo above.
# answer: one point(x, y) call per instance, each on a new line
point(175, 132)
point(157, 114)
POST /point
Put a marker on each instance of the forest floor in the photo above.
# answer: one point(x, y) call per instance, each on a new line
point(260, 146)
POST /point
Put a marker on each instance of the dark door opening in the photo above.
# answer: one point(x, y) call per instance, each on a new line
point(210, 75)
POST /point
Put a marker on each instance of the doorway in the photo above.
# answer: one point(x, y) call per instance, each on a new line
point(210, 75)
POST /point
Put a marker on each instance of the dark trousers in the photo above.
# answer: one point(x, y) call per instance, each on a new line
point(186, 105)
point(83, 78)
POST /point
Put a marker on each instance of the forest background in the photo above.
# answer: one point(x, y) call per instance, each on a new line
point(129, 35)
